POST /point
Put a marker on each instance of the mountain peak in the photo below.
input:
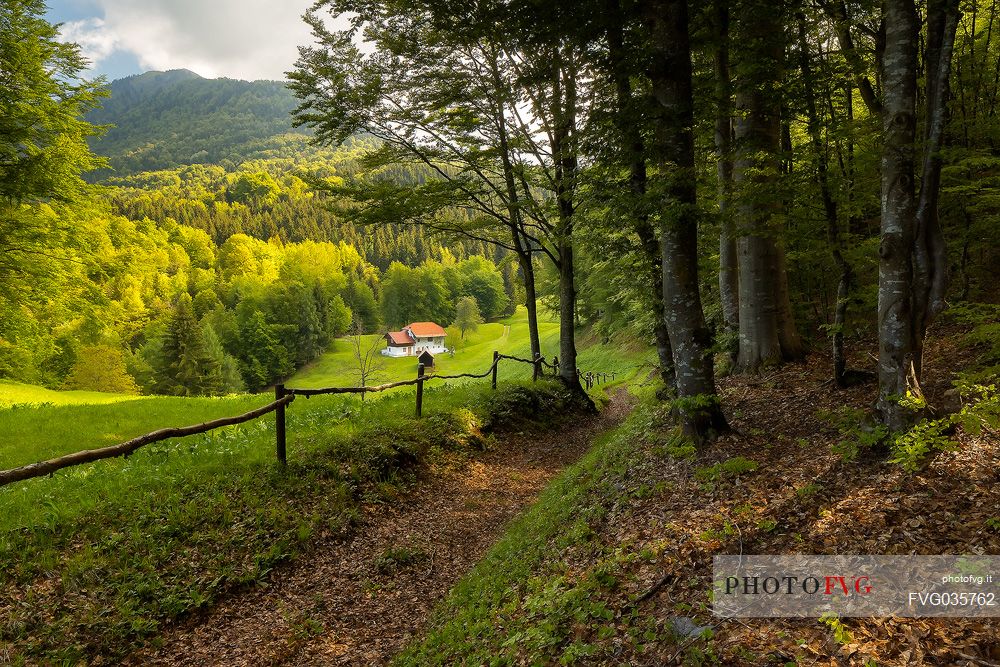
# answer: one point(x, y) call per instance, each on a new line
point(168, 76)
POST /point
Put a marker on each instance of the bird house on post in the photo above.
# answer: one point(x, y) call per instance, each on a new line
point(426, 358)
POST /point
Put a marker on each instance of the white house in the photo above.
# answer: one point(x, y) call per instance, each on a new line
point(414, 339)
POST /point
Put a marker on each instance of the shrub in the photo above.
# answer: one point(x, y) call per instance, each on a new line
point(857, 432)
point(101, 368)
point(733, 467)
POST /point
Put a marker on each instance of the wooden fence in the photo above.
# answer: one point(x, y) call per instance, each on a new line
point(283, 396)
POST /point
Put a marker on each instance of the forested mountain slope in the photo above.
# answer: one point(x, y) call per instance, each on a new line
point(168, 119)
point(210, 205)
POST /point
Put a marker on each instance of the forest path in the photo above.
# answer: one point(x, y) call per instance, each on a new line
point(360, 600)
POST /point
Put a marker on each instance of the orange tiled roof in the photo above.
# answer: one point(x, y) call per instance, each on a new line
point(426, 329)
point(399, 338)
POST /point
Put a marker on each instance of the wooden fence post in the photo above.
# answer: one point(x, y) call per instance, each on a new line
point(279, 423)
point(536, 368)
point(496, 359)
point(420, 388)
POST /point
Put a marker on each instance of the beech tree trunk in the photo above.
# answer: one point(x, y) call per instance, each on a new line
point(530, 300)
point(514, 215)
point(564, 156)
point(628, 123)
point(899, 208)
point(931, 253)
point(829, 209)
point(767, 329)
point(728, 268)
point(690, 338)
point(912, 268)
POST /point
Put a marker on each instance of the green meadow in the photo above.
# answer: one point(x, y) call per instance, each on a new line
point(39, 423)
point(15, 393)
point(474, 354)
point(34, 432)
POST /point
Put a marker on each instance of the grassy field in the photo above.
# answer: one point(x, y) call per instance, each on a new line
point(338, 367)
point(15, 393)
point(34, 432)
point(39, 423)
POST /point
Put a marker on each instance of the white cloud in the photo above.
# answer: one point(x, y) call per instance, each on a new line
point(95, 40)
point(242, 39)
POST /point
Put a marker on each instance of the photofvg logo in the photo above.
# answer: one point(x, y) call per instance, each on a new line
point(866, 586)
point(791, 585)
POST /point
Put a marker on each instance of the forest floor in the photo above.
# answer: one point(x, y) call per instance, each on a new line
point(359, 600)
point(803, 498)
point(615, 568)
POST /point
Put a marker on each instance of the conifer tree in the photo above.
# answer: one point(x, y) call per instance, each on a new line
point(186, 366)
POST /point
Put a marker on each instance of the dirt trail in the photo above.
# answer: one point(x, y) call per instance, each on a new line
point(359, 601)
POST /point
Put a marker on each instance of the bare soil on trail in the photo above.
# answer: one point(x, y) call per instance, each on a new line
point(359, 601)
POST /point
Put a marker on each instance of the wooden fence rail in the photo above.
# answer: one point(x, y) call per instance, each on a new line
point(282, 397)
point(129, 446)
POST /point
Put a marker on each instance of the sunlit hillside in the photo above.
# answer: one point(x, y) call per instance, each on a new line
point(339, 367)
point(17, 393)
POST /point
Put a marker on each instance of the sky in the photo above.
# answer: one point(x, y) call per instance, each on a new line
point(239, 39)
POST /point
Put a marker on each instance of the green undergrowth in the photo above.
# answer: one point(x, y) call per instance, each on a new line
point(522, 602)
point(975, 390)
point(96, 559)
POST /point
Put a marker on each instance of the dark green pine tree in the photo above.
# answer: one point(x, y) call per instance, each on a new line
point(263, 358)
point(186, 366)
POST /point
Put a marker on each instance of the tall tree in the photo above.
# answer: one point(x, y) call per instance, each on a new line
point(674, 154)
point(729, 284)
point(185, 366)
point(629, 120)
point(430, 94)
point(767, 329)
point(912, 266)
point(43, 144)
point(834, 238)
point(478, 153)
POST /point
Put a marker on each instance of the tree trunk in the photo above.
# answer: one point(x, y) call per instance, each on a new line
point(564, 157)
point(728, 268)
point(899, 207)
point(514, 219)
point(838, 12)
point(690, 339)
point(931, 253)
point(912, 266)
point(567, 307)
point(627, 121)
point(530, 301)
point(829, 209)
point(767, 329)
